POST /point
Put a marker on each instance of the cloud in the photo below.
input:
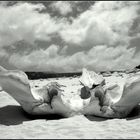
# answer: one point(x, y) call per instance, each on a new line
point(64, 7)
point(98, 58)
point(104, 23)
point(100, 38)
point(3, 53)
point(35, 60)
point(23, 21)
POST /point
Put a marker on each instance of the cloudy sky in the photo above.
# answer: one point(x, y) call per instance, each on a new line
point(64, 36)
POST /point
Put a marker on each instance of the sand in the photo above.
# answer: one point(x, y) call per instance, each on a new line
point(16, 124)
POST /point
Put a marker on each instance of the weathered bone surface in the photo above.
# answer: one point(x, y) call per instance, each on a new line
point(115, 107)
point(36, 102)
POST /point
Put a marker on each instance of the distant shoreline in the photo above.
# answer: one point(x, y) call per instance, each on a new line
point(45, 75)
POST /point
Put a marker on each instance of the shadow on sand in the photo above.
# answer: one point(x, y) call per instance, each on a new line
point(95, 118)
point(14, 115)
point(134, 114)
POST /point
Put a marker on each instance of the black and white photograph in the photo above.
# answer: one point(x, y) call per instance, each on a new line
point(69, 69)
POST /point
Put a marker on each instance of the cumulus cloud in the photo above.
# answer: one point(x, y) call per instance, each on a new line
point(23, 21)
point(103, 35)
point(64, 7)
point(104, 23)
point(97, 58)
point(35, 60)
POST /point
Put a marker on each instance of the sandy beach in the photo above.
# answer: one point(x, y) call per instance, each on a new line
point(15, 123)
point(95, 44)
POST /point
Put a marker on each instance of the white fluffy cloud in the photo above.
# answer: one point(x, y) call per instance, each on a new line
point(98, 58)
point(64, 7)
point(24, 22)
point(103, 34)
point(105, 23)
point(36, 59)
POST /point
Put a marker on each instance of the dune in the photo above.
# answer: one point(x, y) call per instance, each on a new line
point(16, 123)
